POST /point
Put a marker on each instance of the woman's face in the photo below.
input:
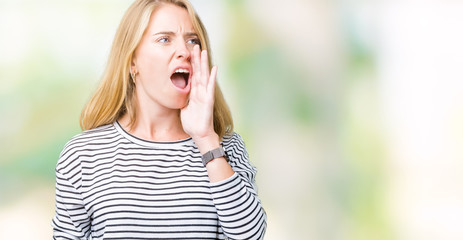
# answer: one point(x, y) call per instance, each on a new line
point(162, 59)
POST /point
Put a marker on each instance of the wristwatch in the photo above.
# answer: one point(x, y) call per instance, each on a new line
point(213, 154)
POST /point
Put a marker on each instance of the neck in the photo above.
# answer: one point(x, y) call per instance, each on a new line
point(160, 125)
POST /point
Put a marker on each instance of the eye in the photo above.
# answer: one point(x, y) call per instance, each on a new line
point(163, 40)
point(193, 41)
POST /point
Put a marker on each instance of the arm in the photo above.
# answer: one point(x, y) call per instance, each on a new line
point(240, 211)
point(197, 116)
point(232, 183)
point(71, 220)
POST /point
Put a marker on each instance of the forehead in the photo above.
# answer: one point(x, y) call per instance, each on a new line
point(169, 17)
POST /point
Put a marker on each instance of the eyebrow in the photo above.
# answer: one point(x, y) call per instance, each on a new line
point(172, 33)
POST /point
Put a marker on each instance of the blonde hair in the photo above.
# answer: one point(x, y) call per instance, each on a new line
point(115, 95)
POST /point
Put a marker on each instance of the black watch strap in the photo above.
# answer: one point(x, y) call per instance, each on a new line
point(213, 154)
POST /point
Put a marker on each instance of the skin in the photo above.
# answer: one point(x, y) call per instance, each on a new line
point(164, 111)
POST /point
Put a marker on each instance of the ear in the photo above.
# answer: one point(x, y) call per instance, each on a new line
point(133, 68)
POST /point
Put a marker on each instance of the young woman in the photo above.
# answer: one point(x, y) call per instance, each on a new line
point(158, 158)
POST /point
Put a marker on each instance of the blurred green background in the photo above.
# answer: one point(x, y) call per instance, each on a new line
point(351, 110)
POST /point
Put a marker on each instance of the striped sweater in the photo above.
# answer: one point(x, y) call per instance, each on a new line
point(113, 185)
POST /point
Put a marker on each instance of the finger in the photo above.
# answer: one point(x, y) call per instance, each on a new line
point(204, 68)
point(212, 79)
point(195, 64)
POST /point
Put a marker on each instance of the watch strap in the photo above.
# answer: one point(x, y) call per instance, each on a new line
point(213, 154)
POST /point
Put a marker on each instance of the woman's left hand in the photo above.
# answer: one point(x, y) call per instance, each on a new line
point(197, 116)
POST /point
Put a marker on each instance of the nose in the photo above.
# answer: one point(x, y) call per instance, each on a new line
point(182, 51)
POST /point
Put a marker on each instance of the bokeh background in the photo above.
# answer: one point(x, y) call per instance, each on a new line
point(352, 110)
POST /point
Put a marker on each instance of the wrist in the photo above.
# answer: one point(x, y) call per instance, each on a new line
point(207, 143)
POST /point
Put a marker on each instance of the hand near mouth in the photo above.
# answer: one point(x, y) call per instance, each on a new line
point(197, 116)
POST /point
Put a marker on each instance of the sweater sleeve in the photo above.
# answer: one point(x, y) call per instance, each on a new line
point(240, 211)
point(71, 220)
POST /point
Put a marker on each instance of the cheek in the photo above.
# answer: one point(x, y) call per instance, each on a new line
point(151, 67)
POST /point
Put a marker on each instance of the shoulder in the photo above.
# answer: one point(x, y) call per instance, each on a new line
point(235, 146)
point(86, 141)
point(233, 139)
point(238, 156)
point(93, 136)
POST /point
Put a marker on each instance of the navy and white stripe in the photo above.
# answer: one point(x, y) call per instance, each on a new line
point(112, 185)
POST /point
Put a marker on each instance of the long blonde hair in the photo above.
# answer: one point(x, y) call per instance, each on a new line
point(115, 95)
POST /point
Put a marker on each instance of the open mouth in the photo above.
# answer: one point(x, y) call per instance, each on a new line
point(180, 78)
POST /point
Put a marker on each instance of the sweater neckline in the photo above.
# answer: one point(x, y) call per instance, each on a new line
point(148, 143)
